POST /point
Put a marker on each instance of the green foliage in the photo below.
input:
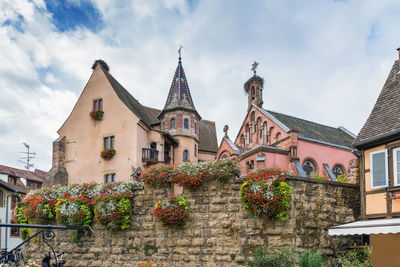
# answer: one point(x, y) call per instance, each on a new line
point(311, 259)
point(342, 178)
point(190, 174)
point(358, 257)
point(73, 235)
point(150, 250)
point(273, 257)
point(321, 177)
point(265, 192)
point(172, 210)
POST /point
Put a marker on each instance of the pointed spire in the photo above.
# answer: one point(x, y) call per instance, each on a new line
point(179, 93)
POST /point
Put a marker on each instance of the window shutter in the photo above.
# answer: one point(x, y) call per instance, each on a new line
point(379, 171)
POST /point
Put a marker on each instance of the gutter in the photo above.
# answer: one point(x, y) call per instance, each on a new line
point(376, 139)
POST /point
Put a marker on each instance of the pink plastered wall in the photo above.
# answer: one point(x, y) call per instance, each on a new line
point(320, 154)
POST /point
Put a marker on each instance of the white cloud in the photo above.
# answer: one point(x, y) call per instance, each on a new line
point(322, 61)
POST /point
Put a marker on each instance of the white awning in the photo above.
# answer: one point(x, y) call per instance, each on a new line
point(380, 226)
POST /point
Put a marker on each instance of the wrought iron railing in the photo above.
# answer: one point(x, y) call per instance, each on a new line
point(45, 230)
point(149, 155)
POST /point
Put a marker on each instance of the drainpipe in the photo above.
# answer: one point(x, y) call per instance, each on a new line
point(6, 228)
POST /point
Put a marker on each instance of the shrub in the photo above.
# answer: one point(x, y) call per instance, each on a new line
point(342, 178)
point(74, 204)
point(172, 210)
point(321, 177)
point(113, 211)
point(158, 176)
point(272, 257)
point(97, 115)
point(310, 259)
point(265, 192)
point(358, 257)
point(190, 175)
point(74, 211)
point(108, 153)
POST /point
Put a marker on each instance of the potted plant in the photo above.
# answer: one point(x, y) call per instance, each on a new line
point(97, 115)
point(108, 153)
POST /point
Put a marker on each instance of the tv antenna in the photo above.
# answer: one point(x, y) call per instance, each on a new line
point(27, 158)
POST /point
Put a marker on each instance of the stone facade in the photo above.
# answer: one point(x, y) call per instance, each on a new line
point(353, 173)
point(58, 173)
point(219, 232)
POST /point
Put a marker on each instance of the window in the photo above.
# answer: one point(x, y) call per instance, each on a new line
point(185, 155)
point(14, 230)
point(338, 170)
point(172, 123)
point(186, 123)
point(98, 104)
point(253, 92)
point(109, 178)
point(309, 168)
point(396, 166)
point(1, 198)
point(195, 150)
point(277, 137)
point(14, 200)
point(12, 180)
point(264, 130)
point(378, 169)
point(108, 142)
point(195, 127)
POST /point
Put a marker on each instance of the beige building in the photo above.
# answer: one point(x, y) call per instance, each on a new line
point(109, 134)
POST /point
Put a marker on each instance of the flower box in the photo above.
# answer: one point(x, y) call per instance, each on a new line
point(97, 115)
point(108, 153)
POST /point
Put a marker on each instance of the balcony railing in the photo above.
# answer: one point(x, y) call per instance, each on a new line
point(149, 155)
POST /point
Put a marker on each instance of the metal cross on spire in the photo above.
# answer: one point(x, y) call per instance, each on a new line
point(179, 52)
point(254, 67)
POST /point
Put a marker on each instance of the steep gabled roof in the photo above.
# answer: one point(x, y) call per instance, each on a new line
point(131, 102)
point(384, 120)
point(179, 94)
point(314, 131)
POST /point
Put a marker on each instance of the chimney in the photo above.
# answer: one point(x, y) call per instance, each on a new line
point(398, 49)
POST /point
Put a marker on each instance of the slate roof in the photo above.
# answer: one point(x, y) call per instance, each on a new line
point(37, 177)
point(207, 131)
point(131, 102)
point(314, 131)
point(384, 120)
point(179, 93)
point(235, 149)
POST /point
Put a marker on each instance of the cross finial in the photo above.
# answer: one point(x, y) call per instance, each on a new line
point(179, 52)
point(226, 128)
point(254, 67)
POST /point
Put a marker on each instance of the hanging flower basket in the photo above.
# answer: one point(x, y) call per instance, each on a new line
point(97, 115)
point(172, 210)
point(108, 153)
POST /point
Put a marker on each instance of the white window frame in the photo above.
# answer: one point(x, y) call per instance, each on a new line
point(371, 171)
point(395, 170)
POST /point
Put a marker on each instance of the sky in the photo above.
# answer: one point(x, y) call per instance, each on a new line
point(324, 61)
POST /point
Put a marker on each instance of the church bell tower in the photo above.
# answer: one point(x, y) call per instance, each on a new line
point(253, 88)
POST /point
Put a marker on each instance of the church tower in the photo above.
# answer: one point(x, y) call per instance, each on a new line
point(179, 117)
point(253, 88)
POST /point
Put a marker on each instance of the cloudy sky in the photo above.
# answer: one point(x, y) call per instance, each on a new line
point(324, 61)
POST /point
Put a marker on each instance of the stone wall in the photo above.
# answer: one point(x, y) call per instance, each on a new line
point(353, 173)
point(219, 232)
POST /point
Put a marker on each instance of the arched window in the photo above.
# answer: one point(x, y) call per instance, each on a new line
point(153, 145)
point(242, 140)
point(186, 123)
point(264, 129)
point(309, 167)
point(252, 165)
point(277, 137)
point(338, 170)
point(185, 155)
point(258, 127)
point(270, 133)
point(253, 116)
point(172, 123)
point(253, 93)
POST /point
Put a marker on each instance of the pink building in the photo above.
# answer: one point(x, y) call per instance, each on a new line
point(274, 140)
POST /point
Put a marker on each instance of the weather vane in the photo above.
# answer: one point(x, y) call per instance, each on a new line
point(179, 51)
point(254, 66)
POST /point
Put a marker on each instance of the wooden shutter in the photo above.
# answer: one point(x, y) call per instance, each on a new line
point(379, 169)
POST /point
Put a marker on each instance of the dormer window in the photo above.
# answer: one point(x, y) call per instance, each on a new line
point(172, 123)
point(98, 105)
point(186, 123)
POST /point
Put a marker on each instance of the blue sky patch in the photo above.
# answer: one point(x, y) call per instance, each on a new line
point(69, 14)
point(16, 23)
